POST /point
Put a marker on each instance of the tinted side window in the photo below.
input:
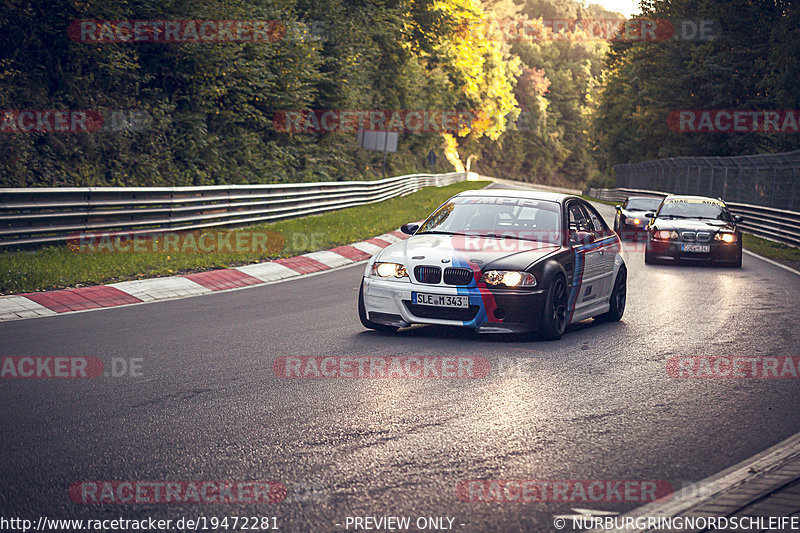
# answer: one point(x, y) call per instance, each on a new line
point(597, 221)
point(578, 219)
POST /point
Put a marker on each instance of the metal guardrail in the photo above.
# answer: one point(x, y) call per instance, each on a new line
point(49, 215)
point(769, 180)
point(773, 224)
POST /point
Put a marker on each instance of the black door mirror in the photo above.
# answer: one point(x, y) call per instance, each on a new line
point(410, 228)
point(737, 218)
point(649, 215)
point(582, 237)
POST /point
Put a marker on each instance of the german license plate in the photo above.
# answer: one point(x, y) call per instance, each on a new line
point(696, 248)
point(439, 300)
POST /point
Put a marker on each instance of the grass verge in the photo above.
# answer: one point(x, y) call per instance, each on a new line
point(607, 202)
point(781, 253)
point(58, 267)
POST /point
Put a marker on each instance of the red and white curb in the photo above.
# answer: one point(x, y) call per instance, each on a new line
point(37, 304)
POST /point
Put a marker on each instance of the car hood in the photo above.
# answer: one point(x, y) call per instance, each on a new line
point(466, 251)
point(691, 224)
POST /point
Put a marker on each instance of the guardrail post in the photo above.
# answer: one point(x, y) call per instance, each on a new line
point(772, 193)
point(711, 182)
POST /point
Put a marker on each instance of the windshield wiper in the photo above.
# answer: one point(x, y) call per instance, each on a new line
point(497, 236)
point(438, 232)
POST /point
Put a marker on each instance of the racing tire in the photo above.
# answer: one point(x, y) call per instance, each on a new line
point(738, 262)
point(649, 259)
point(554, 319)
point(619, 296)
point(362, 315)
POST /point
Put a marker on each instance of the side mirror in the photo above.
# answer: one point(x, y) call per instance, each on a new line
point(649, 215)
point(618, 207)
point(410, 228)
point(582, 237)
point(738, 218)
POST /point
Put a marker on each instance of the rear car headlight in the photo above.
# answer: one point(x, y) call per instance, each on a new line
point(508, 278)
point(725, 237)
point(665, 235)
point(389, 270)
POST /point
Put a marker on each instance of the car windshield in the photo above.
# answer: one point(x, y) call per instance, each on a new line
point(513, 218)
point(693, 208)
point(642, 204)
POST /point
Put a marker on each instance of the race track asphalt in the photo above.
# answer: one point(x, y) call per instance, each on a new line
point(596, 405)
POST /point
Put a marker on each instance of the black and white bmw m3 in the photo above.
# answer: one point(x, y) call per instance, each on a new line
point(501, 261)
point(694, 229)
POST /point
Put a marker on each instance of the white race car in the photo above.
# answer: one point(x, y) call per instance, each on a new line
point(502, 261)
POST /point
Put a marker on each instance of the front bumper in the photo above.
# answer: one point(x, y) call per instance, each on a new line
point(719, 252)
point(490, 310)
point(632, 231)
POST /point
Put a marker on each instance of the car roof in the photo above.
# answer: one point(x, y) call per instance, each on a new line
point(518, 193)
point(659, 198)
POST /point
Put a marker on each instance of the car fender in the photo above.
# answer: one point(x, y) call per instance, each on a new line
point(550, 268)
point(375, 257)
point(368, 266)
point(619, 262)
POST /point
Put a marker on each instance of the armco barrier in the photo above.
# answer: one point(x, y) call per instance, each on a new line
point(48, 215)
point(774, 224)
point(768, 180)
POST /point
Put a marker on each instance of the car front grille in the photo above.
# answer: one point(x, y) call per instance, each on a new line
point(428, 274)
point(442, 313)
point(699, 236)
point(458, 276)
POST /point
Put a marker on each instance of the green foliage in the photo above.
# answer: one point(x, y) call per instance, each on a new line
point(211, 105)
point(601, 180)
point(551, 111)
point(556, 91)
point(752, 63)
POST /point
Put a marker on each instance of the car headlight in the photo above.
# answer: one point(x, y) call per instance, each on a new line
point(509, 278)
point(389, 270)
point(665, 235)
point(725, 237)
point(636, 221)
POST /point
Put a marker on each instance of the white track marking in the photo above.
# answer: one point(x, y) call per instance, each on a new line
point(268, 271)
point(770, 261)
point(149, 290)
point(328, 258)
point(14, 307)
